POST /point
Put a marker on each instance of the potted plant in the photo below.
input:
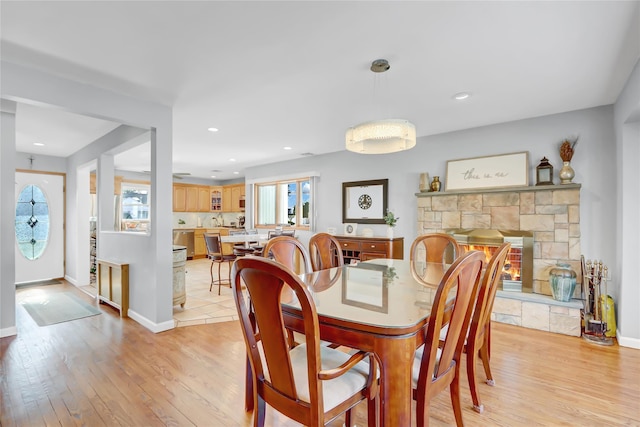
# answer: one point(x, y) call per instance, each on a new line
point(390, 219)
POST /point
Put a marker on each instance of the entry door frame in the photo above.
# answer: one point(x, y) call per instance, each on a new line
point(64, 216)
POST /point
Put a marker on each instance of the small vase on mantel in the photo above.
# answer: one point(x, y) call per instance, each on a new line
point(566, 173)
point(435, 184)
point(425, 185)
point(390, 232)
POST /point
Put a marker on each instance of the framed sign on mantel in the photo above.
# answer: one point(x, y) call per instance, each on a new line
point(365, 202)
point(503, 170)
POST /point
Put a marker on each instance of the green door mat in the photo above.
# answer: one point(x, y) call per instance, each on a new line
point(57, 307)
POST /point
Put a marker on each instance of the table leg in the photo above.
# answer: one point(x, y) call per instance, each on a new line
point(396, 361)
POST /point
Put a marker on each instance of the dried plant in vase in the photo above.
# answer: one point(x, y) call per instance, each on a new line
point(567, 148)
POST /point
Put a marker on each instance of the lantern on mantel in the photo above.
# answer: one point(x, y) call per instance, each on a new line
point(544, 172)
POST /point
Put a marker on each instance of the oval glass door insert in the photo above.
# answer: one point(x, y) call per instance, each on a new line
point(32, 222)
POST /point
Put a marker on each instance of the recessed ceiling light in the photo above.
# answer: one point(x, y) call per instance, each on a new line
point(287, 148)
point(236, 173)
point(39, 144)
point(461, 95)
point(212, 129)
point(213, 176)
point(232, 160)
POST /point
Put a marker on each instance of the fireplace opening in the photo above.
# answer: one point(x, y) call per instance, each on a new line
point(517, 274)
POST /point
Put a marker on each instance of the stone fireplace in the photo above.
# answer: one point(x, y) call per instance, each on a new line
point(550, 213)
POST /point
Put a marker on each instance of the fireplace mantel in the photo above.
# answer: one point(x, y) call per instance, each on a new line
point(500, 190)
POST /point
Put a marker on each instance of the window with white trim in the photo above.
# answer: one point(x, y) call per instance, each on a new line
point(286, 203)
point(136, 206)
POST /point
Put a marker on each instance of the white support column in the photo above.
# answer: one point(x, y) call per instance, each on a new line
point(7, 215)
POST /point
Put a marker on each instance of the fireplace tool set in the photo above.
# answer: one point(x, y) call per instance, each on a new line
point(598, 320)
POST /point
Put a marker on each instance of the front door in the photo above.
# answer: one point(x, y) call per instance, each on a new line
point(39, 225)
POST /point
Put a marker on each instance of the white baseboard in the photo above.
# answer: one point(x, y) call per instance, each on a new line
point(627, 342)
point(152, 326)
point(8, 332)
point(71, 280)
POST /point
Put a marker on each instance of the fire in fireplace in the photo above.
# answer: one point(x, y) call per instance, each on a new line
point(517, 274)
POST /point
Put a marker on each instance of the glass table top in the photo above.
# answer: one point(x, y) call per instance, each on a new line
point(381, 292)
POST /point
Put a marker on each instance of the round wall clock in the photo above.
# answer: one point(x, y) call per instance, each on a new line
point(364, 201)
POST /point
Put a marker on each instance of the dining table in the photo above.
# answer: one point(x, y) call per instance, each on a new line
point(380, 306)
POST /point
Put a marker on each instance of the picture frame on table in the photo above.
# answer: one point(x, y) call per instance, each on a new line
point(350, 229)
point(498, 171)
point(365, 202)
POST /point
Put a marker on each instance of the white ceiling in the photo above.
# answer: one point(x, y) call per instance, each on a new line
point(274, 74)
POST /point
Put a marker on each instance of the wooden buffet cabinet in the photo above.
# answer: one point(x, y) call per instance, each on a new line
point(359, 248)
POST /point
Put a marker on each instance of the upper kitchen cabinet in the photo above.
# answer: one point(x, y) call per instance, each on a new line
point(227, 206)
point(203, 199)
point(179, 198)
point(216, 199)
point(233, 198)
point(237, 198)
point(190, 198)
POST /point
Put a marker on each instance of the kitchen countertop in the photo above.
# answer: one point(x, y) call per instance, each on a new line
point(179, 247)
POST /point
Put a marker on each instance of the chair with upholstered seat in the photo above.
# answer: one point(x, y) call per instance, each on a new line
point(240, 249)
point(325, 252)
point(478, 342)
point(256, 247)
point(309, 383)
point(436, 368)
point(215, 254)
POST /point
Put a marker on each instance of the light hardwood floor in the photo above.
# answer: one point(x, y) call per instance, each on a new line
point(103, 370)
point(201, 306)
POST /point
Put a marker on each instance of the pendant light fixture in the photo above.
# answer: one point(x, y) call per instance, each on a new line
point(381, 136)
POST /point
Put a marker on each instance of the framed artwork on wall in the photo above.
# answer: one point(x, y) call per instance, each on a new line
point(499, 171)
point(365, 202)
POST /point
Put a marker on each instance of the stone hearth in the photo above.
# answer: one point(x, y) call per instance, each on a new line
point(551, 212)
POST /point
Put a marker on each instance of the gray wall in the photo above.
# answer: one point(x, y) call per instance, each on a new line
point(149, 256)
point(594, 163)
point(627, 128)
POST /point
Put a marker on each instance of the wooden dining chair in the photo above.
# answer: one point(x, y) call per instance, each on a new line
point(435, 247)
point(255, 245)
point(240, 249)
point(216, 255)
point(310, 384)
point(436, 368)
point(288, 251)
point(478, 342)
point(325, 252)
